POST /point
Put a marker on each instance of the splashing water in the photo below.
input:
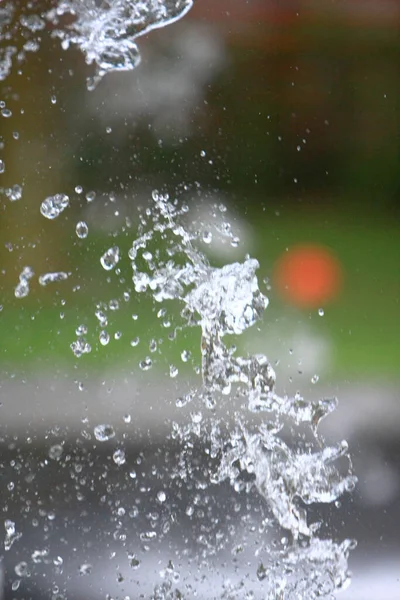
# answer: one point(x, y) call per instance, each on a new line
point(106, 32)
point(221, 302)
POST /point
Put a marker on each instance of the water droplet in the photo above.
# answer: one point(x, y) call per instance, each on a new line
point(161, 496)
point(81, 330)
point(21, 569)
point(134, 561)
point(146, 364)
point(104, 338)
point(132, 474)
point(119, 457)
point(82, 230)
point(113, 304)
point(6, 113)
point(9, 526)
point(173, 371)
point(207, 237)
point(103, 433)
point(47, 278)
point(53, 206)
point(110, 258)
point(321, 312)
point(315, 379)
point(22, 289)
point(2, 166)
point(135, 341)
point(78, 189)
point(55, 452)
point(185, 355)
point(127, 418)
point(153, 346)
point(148, 536)
point(53, 99)
point(102, 318)
point(90, 196)
point(14, 193)
point(197, 417)
point(261, 572)
point(85, 569)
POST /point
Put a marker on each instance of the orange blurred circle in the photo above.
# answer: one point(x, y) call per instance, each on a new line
point(308, 276)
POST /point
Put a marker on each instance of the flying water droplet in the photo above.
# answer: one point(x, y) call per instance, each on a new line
point(53, 206)
point(207, 237)
point(11, 534)
point(161, 496)
point(173, 371)
point(82, 230)
point(85, 569)
point(21, 569)
point(185, 355)
point(146, 364)
point(134, 561)
point(22, 289)
point(321, 312)
point(55, 452)
point(104, 338)
point(119, 457)
point(14, 193)
point(90, 196)
point(55, 277)
point(103, 433)
point(110, 258)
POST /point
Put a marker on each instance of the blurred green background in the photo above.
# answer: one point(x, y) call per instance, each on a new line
point(286, 112)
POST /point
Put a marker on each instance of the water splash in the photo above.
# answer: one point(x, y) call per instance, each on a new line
point(288, 475)
point(106, 32)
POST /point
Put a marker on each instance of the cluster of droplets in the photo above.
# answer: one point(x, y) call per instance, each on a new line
point(9, 50)
point(53, 206)
point(81, 346)
point(22, 289)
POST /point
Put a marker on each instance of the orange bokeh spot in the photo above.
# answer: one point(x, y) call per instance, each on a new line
point(308, 276)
